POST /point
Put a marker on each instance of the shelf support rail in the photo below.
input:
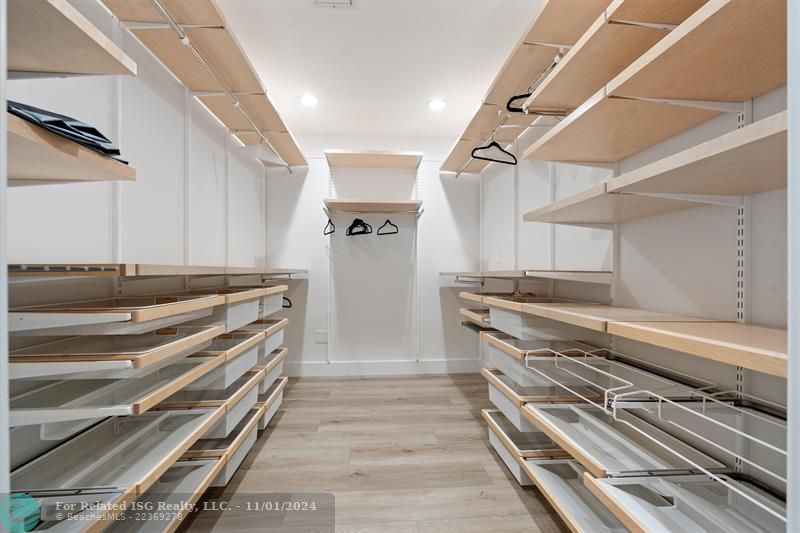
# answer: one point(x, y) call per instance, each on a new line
point(703, 421)
point(184, 39)
point(706, 199)
point(709, 105)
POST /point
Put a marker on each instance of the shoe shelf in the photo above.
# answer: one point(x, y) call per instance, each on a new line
point(271, 401)
point(272, 368)
point(240, 354)
point(479, 317)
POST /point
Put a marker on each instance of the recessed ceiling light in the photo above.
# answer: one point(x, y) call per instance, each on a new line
point(436, 104)
point(309, 100)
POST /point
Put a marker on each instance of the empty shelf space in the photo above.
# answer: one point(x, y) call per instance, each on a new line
point(374, 159)
point(533, 390)
point(228, 446)
point(596, 206)
point(48, 37)
point(598, 316)
point(611, 43)
point(745, 161)
point(337, 205)
point(561, 482)
point(516, 302)
point(479, 316)
point(519, 443)
point(476, 328)
point(130, 452)
point(268, 398)
point(754, 347)
point(520, 349)
point(39, 157)
point(225, 398)
point(689, 503)
point(608, 446)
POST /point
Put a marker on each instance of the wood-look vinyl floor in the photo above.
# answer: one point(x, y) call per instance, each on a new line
point(400, 454)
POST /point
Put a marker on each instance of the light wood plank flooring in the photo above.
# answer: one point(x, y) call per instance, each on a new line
point(400, 454)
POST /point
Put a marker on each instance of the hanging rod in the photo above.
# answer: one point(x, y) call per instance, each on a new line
point(184, 39)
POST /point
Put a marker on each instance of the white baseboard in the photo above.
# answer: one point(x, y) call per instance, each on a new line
point(382, 368)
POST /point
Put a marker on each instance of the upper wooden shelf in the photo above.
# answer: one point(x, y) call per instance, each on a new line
point(754, 347)
point(619, 35)
point(563, 23)
point(602, 277)
point(52, 38)
point(140, 269)
point(337, 205)
point(373, 159)
point(492, 274)
point(207, 31)
point(37, 157)
point(727, 51)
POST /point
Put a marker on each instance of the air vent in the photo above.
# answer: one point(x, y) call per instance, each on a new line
point(334, 3)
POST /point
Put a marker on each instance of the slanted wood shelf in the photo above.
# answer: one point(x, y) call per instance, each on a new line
point(47, 37)
point(337, 205)
point(373, 159)
point(38, 157)
point(754, 347)
point(610, 44)
point(208, 32)
point(726, 51)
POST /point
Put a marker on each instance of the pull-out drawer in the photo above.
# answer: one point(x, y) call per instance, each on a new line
point(271, 401)
point(689, 503)
point(63, 408)
point(130, 453)
point(479, 297)
point(513, 445)
point(272, 300)
point(240, 351)
point(476, 328)
point(477, 316)
point(240, 307)
point(529, 327)
point(561, 482)
point(273, 368)
point(111, 316)
point(169, 500)
point(109, 356)
point(236, 401)
point(273, 330)
point(611, 447)
point(232, 449)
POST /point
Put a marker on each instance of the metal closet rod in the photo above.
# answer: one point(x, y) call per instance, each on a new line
point(184, 39)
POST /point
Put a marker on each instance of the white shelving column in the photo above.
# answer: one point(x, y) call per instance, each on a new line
point(4, 391)
point(793, 400)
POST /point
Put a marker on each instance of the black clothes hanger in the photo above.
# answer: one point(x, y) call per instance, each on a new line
point(287, 303)
point(495, 154)
point(391, 230)
point(330, 227)
point(359, 227)
point(510, 105)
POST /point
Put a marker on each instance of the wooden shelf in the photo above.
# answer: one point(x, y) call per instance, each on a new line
point(374, 159)
point(600, 277)
point(609, 45)
point(725, 52)
point(213, 40)
point(491, 274)
point(754, 347)
point(596, 206)
point(746, 161)
point(336, 205)
point(48, 37)
point(140, 269)
point(563, 22)
point(38, 157)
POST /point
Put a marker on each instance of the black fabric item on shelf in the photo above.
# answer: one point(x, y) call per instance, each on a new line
point(66, 127)
point(359, 227)
point(392, 229)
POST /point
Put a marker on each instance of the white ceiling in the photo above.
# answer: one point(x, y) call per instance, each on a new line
point(375, 65)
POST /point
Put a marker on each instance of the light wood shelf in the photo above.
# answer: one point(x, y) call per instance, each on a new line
point(373, 159)
point(337, 205)
point(37, 157)
point(142, 269)
point(561, 22)
point(493, 274)
point(600, 277)
point(727, 51)
point(50, 37)
point(596, 206)
point(213, 40)
point(754, 347)
point(746, 161)
point(609, 45)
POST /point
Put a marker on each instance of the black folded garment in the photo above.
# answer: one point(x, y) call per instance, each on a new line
point(67, 127)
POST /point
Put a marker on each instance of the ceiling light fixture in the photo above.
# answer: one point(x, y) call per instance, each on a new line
point(309, 100)
point(436, 104)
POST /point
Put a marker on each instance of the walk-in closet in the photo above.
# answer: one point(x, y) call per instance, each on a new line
point(399, 266)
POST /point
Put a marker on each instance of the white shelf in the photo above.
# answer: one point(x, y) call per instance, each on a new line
point(373, 159)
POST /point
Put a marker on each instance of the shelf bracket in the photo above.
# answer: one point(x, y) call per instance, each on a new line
point(711, 105)
point(643, 24)
point(707, 199)
point(468, 280)
point(564, 47)
point(133, 25)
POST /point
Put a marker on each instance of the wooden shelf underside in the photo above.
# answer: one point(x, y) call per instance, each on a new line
point(387, 160)
point(141, 269)
point(336, 205)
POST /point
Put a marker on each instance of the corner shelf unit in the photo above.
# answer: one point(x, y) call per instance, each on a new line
point(727, 52)
point(745, 161)
point(373, 159)
point(232, 90)
point(39, 157)
point(337, 205)
point(53, 39)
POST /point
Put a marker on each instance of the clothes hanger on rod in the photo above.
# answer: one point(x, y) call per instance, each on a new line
point(358, 227)
point(494, 153)
point(287, 303)
point(392, 229)
point(330, 227)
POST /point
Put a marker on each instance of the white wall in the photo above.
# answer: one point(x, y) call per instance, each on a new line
point(195, 199)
